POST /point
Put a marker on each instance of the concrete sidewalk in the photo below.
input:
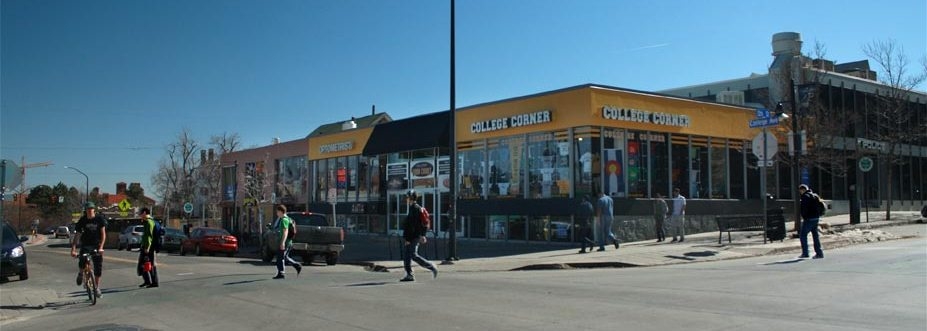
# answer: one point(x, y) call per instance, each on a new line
point(701, 247)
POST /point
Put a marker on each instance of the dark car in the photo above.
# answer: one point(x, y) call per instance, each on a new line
point(173, 238)
point(210, 240)
point(12, 254)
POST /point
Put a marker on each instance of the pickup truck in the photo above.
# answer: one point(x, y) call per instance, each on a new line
point(314, 237)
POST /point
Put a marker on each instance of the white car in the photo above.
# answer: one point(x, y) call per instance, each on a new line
point(63, 231)
point(130, 237)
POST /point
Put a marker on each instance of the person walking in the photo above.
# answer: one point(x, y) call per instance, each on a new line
point(286, 229)
point(811, 214)
point(660, 209)
point(413, 233)
point(91, 235)
point(584, 214)
point(146, 253)
point(605, 210)
point(678, 218)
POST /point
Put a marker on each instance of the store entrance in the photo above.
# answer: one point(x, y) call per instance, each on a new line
point(435, 202)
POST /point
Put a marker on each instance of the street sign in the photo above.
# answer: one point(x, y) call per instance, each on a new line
point(12, 174)
point(764, 122)
point(762, 113)
point(865, 164)
point(332, 195)
point(772, 147)
point(124, 205)
point(187, 207)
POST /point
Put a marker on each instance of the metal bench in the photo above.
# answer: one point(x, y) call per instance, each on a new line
point(738, 223)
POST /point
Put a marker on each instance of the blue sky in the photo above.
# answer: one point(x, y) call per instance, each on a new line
point(104, 86)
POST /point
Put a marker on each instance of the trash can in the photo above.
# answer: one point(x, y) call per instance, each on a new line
point(775, 224)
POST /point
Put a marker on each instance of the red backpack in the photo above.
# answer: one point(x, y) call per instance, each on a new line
point(425, 218)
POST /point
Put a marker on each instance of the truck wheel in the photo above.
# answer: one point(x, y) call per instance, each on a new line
point(24, 274)
point(266, 255)
point(331, 259)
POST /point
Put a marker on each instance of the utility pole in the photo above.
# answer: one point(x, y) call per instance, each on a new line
point(452, 215)
point(796, 166)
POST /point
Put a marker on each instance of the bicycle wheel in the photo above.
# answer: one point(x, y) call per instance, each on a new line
point(90, 285)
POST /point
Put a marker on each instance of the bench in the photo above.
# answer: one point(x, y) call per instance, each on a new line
point(738, 223)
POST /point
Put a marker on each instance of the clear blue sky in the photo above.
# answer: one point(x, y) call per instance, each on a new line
point(104, 86)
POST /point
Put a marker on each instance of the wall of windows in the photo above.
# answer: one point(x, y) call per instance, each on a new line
point(548, 165)
point(718, 167)
point(292, 180)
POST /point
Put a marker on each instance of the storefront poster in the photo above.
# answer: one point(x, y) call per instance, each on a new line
point(423, 174)
point(614, 173)
point(444, 174)
point(397, 175)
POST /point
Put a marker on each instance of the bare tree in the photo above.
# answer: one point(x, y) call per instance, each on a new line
point(257, 184)
point(211, 167)
point(174, 180)
point(894, 114)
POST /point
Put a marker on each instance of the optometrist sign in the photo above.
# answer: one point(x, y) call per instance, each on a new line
point(336, 147)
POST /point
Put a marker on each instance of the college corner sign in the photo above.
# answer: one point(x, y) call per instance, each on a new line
point(514, 121)
point(643, 116)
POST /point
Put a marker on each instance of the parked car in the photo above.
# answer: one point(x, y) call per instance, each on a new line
point(130, 237)
point(173, 238)
point(62, 231)
point(314, 237)
point(50, 230)
point(12, 253)
point(210, 240)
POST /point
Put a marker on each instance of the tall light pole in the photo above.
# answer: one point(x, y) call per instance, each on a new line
point(86, 183)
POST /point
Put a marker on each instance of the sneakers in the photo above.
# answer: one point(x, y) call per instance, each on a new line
point(98, 293)
point(279, 276)
point(408, 278)
point(434, 272)
point(299, 269)
point(674, 240)
point(616, 244)
point(144, 285)
point(151, 285)
point(80, 279)
point(602, 249)
point(582, 251)
point(818, 256)
point(803, 256)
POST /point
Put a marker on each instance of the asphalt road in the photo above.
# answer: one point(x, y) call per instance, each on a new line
point(878, 286)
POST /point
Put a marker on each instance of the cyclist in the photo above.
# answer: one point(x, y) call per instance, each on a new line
point(91, 233)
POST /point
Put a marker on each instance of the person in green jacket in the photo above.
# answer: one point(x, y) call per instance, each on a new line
point(147, 252)
point(282, 226)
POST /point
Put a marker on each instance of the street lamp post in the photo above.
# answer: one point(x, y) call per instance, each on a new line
point(796, 167)
point(86, 183)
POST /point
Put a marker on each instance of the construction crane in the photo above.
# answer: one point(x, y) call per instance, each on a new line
point(23, 168)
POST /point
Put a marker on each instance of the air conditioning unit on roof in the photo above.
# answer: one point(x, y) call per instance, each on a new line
point(731, 97)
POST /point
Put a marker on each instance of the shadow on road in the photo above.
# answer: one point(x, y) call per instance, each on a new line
point(367, 284)
point(783, 262)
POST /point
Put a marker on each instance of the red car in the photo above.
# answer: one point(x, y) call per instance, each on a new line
point(210, 240)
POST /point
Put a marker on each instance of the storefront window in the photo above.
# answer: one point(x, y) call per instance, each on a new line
point(637, 164)
point(613, 156)
point(505, 166)
point(587, 166)
point(659, 165)
point(735, 154)
point(548, 165)
point(292, 179)
point(680, 164)
point(539, 228)
point(698, 156)
point(339, 176)
point(352, 178)
point(477, 227)
point(471, 171)
point(719, 168)
point(498, 227)
point(561, 229)
point(321, 180)
point(517, 226)
point(377, 224)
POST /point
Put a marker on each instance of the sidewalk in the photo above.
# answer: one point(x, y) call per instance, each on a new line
point(700, 247)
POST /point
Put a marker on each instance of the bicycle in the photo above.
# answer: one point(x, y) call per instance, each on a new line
point(90, 283)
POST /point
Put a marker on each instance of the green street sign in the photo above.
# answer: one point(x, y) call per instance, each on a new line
point(865, 164)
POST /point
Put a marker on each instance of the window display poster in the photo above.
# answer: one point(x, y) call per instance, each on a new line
point(397, 175)
point(444, 174)
point(423, 174)
point(614, 172)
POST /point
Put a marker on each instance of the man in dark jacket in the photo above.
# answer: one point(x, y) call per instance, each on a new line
point(811, 215)
point(584, 214)
point(414, 234)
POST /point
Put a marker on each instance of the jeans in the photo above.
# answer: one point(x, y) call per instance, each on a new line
point(659, 228)
point(152, 276)
point(810, 225)
point(606, 229)
point(284, 259)
point(411, 253)
point(585, 237)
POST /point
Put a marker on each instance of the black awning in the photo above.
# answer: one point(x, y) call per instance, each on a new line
point(425, 131)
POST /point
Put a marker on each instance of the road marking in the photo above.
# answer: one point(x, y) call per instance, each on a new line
point(107, 258)
point(185, 274)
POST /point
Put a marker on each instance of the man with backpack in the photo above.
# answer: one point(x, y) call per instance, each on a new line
point(287, 230)
point(151, 237)
point(811, 210)
point(416, 226)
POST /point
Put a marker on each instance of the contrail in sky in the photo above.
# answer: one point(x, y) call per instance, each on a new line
point(647, 47)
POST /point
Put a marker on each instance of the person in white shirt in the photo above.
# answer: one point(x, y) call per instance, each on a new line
point(678, 218)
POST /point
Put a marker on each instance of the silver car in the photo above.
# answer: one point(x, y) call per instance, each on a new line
point(130, 238)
